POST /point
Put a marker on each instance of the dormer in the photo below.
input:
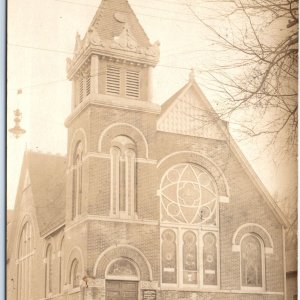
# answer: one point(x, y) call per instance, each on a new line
point(115, 59)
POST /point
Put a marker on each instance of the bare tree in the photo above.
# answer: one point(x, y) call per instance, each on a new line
point(260, 75)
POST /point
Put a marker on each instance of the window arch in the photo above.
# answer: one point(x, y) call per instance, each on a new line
point(48, 271)
point(252, 262)
point(123, 177)
point(25, 252)
point(190, 217)
point(75, 275)
point(77, 180)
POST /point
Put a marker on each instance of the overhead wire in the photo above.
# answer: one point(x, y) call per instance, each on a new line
point(141, 14)
point(70, 52)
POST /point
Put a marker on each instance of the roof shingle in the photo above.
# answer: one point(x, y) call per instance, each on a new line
point(47, 174)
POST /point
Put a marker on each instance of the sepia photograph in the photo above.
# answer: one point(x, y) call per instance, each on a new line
point(152, 150)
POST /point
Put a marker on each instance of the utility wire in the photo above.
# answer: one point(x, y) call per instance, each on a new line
point(66, 80)
point(141, 14)
point(69, 52)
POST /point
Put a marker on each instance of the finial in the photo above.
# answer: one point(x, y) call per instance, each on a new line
point(192, 74)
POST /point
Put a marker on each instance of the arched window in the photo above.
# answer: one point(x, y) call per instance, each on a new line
point(123, 177)
point(252, 262)
point(190, 265)
point(25, 252)
point(75, 274)
point(61, 264)
point(189, 205)
point(77, 180)
point(210, 259)
point(48, 271)
point(169, 257)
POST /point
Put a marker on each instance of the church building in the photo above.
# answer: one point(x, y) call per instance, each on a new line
point(151, 201)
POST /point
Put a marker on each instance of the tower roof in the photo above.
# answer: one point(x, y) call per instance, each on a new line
point(112, 16)
point(114, 32)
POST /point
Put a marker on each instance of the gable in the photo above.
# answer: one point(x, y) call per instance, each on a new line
point(188, 113)
point(43, 183)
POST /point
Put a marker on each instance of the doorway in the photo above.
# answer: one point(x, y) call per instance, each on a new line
point(121, 290)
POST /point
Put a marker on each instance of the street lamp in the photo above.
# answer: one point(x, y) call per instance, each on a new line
point(17, 131)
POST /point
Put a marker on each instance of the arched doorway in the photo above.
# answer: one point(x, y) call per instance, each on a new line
point(121, 280)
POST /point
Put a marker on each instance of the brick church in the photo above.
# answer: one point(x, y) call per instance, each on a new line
point(151, 202)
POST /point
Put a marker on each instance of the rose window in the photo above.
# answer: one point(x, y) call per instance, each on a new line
point(188, 195)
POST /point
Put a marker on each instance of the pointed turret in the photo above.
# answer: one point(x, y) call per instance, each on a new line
point(115, 57)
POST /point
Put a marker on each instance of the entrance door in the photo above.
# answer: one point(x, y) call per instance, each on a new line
point(121, 290)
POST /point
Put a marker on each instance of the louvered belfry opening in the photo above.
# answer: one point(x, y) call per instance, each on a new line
point(132, 84)
point(123, 82)
point(113, 80)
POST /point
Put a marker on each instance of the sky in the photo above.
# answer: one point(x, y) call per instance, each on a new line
point(41, 35)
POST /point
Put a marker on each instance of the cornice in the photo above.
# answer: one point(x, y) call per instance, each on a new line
point(101, 100)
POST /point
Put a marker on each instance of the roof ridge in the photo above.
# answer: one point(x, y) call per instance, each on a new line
point(49, 153)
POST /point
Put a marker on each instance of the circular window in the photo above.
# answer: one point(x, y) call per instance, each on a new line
point(188, 195)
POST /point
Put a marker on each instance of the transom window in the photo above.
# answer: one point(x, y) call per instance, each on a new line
point(188, 195)
point(122, 268)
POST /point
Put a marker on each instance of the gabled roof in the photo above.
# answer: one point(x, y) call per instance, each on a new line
point(168, 109)
point(169, 102)
point(46, 176)
point(111, 17)
point(188, 112)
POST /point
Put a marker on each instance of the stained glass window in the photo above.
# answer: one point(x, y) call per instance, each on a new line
point(189, 258)
point(169, 259)
point(251, 260)
point(188, 195)
point(209, 259)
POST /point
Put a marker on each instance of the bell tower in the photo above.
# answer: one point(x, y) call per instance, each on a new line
point(111, 75)
point(114, 60)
